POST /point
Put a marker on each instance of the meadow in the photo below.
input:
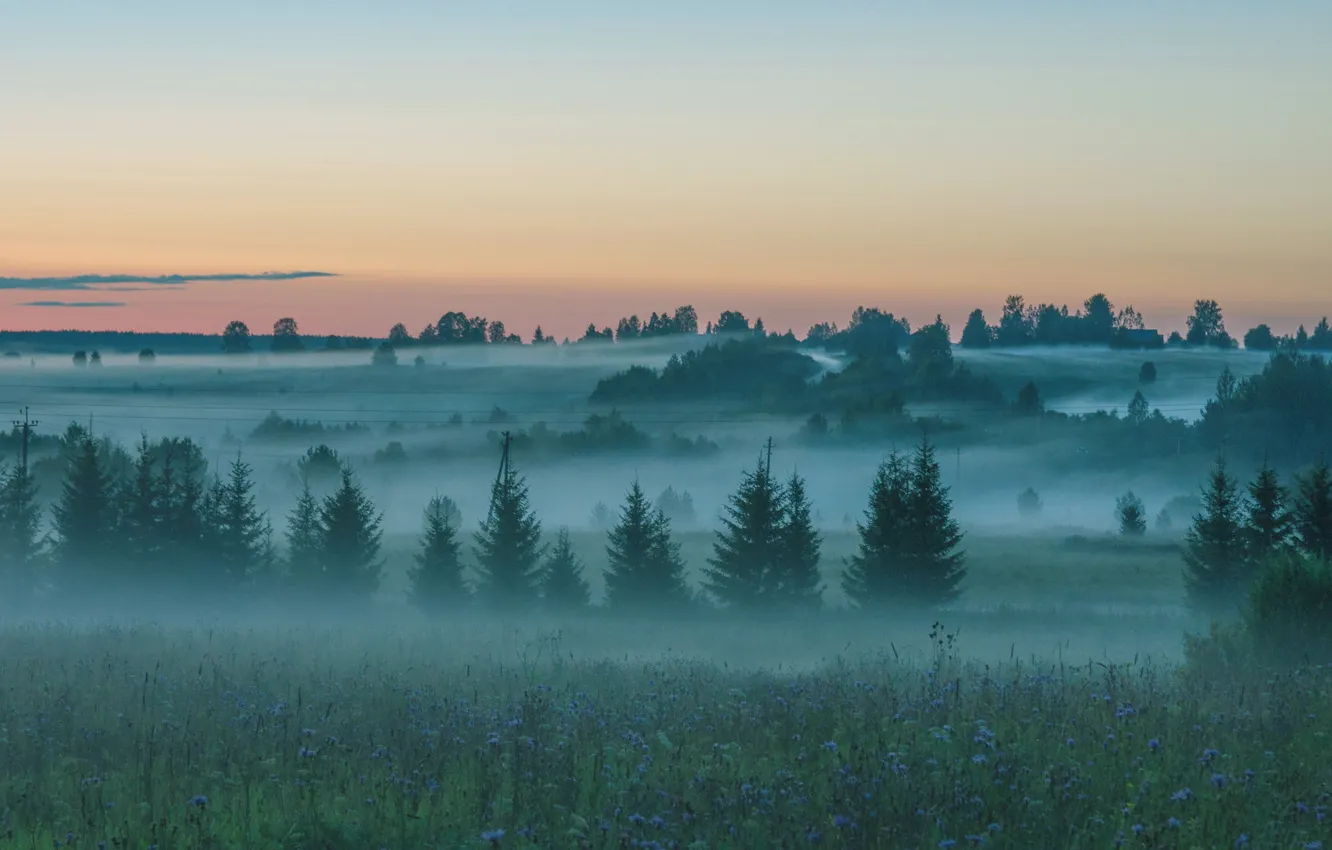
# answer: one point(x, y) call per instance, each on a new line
point(592, 735)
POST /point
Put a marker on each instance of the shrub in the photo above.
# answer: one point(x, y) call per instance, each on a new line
point(1290, 612)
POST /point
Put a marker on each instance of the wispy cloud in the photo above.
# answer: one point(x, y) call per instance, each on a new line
point(72, 304)
point(94, 281)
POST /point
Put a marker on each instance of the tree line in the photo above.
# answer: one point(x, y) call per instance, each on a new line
point(161, 530)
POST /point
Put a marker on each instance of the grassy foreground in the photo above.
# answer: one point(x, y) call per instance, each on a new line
point(139, 737)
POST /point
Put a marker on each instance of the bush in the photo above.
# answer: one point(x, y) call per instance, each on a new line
point(1290, 612)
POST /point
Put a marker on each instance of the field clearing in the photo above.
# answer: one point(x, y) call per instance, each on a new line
point(485, 736)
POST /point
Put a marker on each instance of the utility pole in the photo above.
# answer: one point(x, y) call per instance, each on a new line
point(502, 478)
point(768, 464)
point(26, 425)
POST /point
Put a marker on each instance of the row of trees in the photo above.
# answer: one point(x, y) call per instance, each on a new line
point(870, 331)
point(160, 529)
point(1236, 534)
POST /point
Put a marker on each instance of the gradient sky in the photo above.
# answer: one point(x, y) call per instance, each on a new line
point(573, 161)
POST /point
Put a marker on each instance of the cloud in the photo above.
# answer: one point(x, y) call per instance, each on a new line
point(72, 304)
point(93, 281)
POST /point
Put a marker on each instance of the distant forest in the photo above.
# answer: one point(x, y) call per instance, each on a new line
point(1097, 322)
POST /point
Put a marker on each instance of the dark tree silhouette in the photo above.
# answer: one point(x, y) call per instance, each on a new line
point(239, 533)
point(1029, 400)
point(1139, 410)
point(1260, 338)
point(508, 549)
point(746, 566)
point(436, 584)
point(236, 338)
point(147, 356)
point(871, 579)
point(644, 571)
point(1206, 325)
point(1216, 569)
point(1029, 503)
point(1132, 515)
point(85, 519)
point(936, 565)
point(1147, 374)
point(799, 585)
point(286, 336)
point(305, 566)
point(1313, 512)
point(976, 333)
point(350, 538)
point(563, 588)
point(384, 355)
point(1267, 526)
point(20, 539)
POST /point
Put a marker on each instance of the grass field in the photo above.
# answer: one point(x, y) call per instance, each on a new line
point(484, 736)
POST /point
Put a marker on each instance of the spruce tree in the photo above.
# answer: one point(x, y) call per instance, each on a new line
point(85, 522)
point(748, 559)
point(239, 531)
point(871, 576)
point(350, 537)
point(185, 535)
point(563, 588)
point(1313, 512)
point(1267, 523)
point(436, 582)
point(935, 565)
point(20, 541)
point(799, 584)
point(644, 570)
point(1216, 568)
point(305, 567)
point(1132, 515)
point(139, 536)
point(508, 548)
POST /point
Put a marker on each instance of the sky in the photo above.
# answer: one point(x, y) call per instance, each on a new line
point(560, 163)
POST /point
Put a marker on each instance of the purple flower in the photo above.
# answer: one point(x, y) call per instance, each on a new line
point(1243, 840)
point(830, 746)
point(1173, 823)
point(1154, 744)
point(1182, 795)
point(199, 801)
point(493, 836)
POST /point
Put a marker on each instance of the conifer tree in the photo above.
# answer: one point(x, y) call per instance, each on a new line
point(140, 531)
point(935, 565)
point(871, 576)
point(1313, 512)
point(305, 567)
point(748, 558)
point(85, 522)
point(436, 582)
point(508, 548)
point(644, 570)
point(239, 533)
point(1267, 521)
point(350, 537)
point(1132, 515)
point(1216, 568)
point(20, 541)
point(563, 588)
point(799, 583)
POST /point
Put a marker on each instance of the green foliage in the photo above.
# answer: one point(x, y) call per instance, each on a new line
point(236, 338)
point(909, 542)
point(1312, 512)
point(239, 534)
point(1131, 514)
point(799, 585)
point(749, 370)
point(746, 566)
point(436, 583)
point(350, 538)
point(1290, 612)
point(20, 536)
point(644, 570)
point(1283, 413)
point(508, 548)
point(976, 333)
point(1268, 524)
point(304, 541)
point(563, 588)
point(1147, 374)
point(1217, 572)
point(85, 519)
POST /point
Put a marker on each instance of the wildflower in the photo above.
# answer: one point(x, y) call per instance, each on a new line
point(1154, 744)
point(830, 746)
point(1138, 829)
point(948, 842)
point(493, 836)
point(1173, 823)
point(1220, 780)
point(199, 801)
point(1243, 840)
point(1182, 795)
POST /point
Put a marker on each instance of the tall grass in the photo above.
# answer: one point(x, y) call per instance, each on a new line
point(139, 737)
